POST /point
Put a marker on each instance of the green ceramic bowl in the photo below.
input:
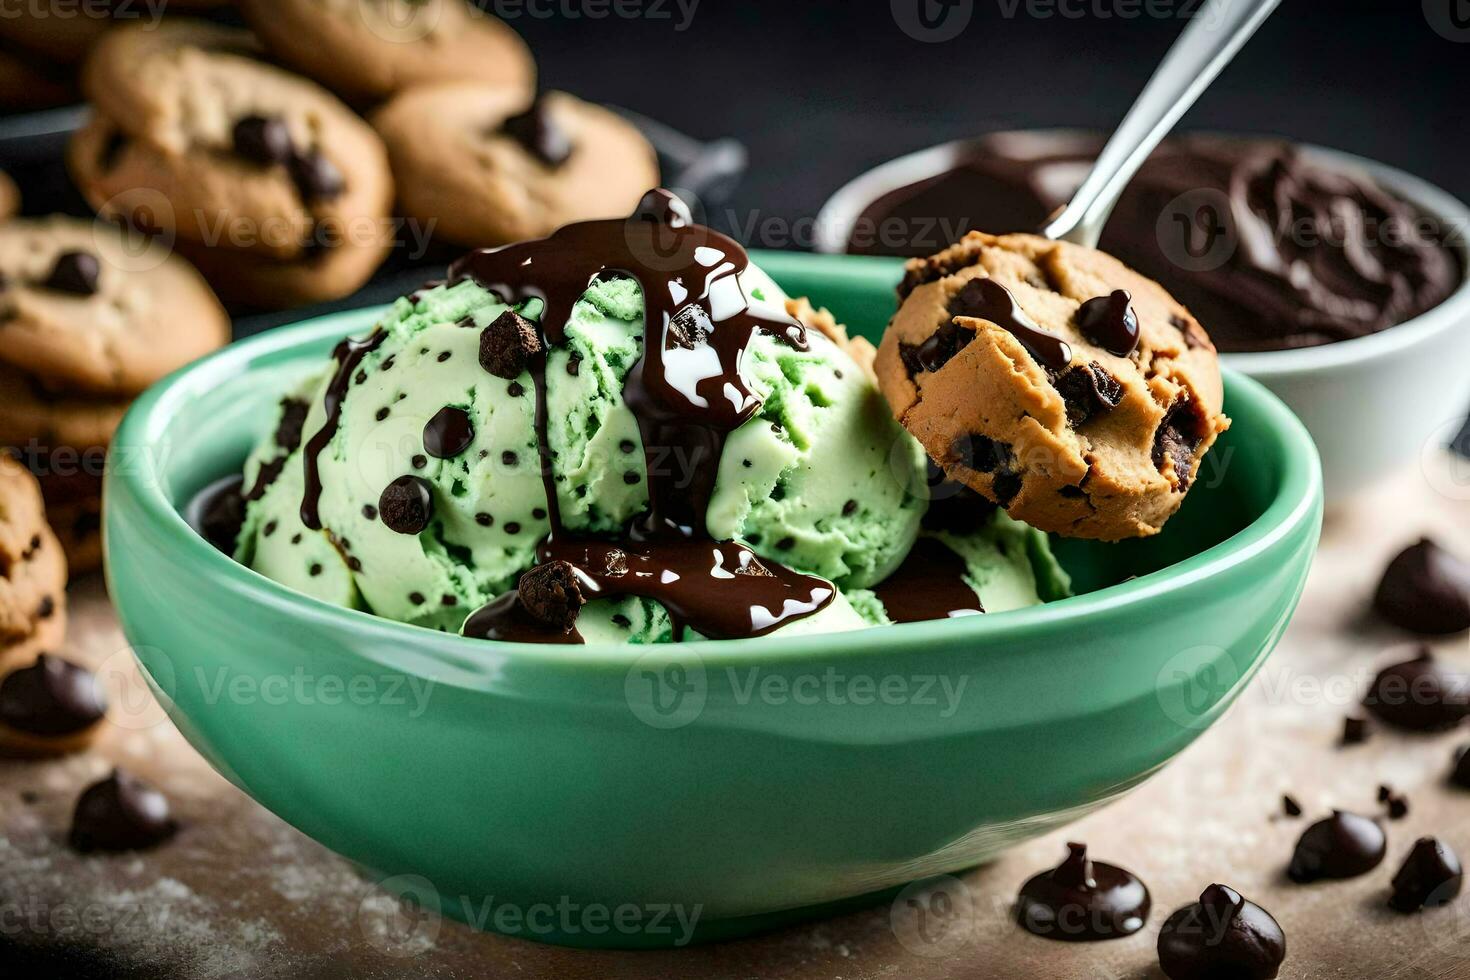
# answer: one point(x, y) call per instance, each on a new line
point(610, 795)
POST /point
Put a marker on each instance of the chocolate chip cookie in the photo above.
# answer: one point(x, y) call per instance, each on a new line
point(487, 169)
point(32, 568)
point(274, 188)
point(86, 308)
point(369, 49)
point(1055, 381)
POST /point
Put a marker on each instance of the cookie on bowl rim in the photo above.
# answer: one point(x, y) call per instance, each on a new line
point(487, 169)
point(1055, 381)
point(86, 308)
point(196, 139)
point(367, 50)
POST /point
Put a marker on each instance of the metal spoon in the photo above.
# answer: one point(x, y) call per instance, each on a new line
point(1218, 31)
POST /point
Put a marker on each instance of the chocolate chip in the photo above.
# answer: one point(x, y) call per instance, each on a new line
point(46, 608)
point(1179, 434)
point(1222, 935)
point(419, 461)
point(1355, 730)
point(314, 570)
point(448, 433)
point(1460, 774)
point(1291, 807)
point(381, 415)
point(76, 273)
point(1074, 493)
point(1088, 390)
point(627, 445)
point(1110, 322)
point(948, 340)
point(416, 598)
point(293, 420)
point(514, 389)
point(620, 620)
point(849, 508)
point(631, 477)
point(269, 529)
point(574, 364)
point(1431, 877)
point(552, 593)
point(1194, 337)
point(511, 527)
point(316, 177)
point(51, 698)
point(508, 345)
point(483, 519)
point(448, 601)
point(407, 505)
point(1420, 695)
point(1343, 845)
point(982, 454)
point(539, 134)
point(265, 140)
point(689, 328)
point(296, 539)
point(1425, 589)
point(509, 458)
point(1082, 900)
point(121, 813)
point(370, 512)
point(786, 544)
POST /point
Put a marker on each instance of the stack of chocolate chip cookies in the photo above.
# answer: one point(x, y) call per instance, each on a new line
point(90, 315)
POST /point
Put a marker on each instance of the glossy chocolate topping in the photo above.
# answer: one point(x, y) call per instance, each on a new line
point(1268, 249)
point(930, 584)
point(687, 394)
point(1431, 876)
point(1343, 845)
point(1422, 694)
point(1425, 589)
point(1222, 935)
point(1110, 322)
point(986, 299)
point(1082, 900)
point(121, 813)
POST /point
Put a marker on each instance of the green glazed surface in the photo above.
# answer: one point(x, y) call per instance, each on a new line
point(735, 784)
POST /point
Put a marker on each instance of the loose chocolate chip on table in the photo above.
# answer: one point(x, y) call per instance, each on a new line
point(508, 344)
point(1355, 730)
point(1460, 774)
point(1110, 322)
point(1082, 900)
point(51, 698)
point(264, 140)
point(539, 133)
point(448, 433)
point(1343, 845)
point(552, 593)
point(1430, 877)
point(121, 813)
point(1291, 807)
point(1425, 589)
point(1222, 935)
point(74, 272)
point(1420, 695)
point(316, 177)
point(407, 505)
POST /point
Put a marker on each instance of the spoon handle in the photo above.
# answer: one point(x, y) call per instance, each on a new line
point(1216, 33)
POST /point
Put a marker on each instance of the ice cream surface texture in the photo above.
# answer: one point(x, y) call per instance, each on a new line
point(507, 452)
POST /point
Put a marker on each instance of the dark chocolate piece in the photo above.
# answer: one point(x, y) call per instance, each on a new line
point(1421, 695)
point(1221, 937)
point(316, 177)
point(1460, 774)
point(1343, 845)
point(539, 133)
point(1110, 322)
point(508, 345)
point(551, 593)
point(448, 433)
point(121, 813)
point(1430, 877)
point(51, 698)
point(1291, 807)
point(1425, 589)
point(1088, 390)
point(1355, 730)
point(265, 140)
point(1082, 900)
point(407, 505)
point(74, 272)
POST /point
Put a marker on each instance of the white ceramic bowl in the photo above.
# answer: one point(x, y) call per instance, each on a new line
point(1374, 405)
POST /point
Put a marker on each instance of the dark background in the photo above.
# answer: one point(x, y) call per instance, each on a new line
point(821, 90)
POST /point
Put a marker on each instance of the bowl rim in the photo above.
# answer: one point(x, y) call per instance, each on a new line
point(1297, 501)
point(837, 215)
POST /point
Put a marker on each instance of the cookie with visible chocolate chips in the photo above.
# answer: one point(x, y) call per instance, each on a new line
point(86, 309)
point(32, 567)
point(279, 192)
point(367, 50)
point(487, 169)
point(9, 197)
point(1029, 379)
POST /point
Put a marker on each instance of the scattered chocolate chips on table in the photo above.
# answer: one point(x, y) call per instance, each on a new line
point(1343, 845)
point(1291, 807)
point(1425, 589)
point(1222, 935)
point(1396, 804)
point(121, 813)
point(1420, 694)
point(1431, 876)
point(1355, 730)
point(51, 698)
point(1082, 900)
point(1460, 774)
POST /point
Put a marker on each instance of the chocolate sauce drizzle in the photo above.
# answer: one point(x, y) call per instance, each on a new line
point(687, 393)
point(928, 585)
point(986, 299)
point(349, 354)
